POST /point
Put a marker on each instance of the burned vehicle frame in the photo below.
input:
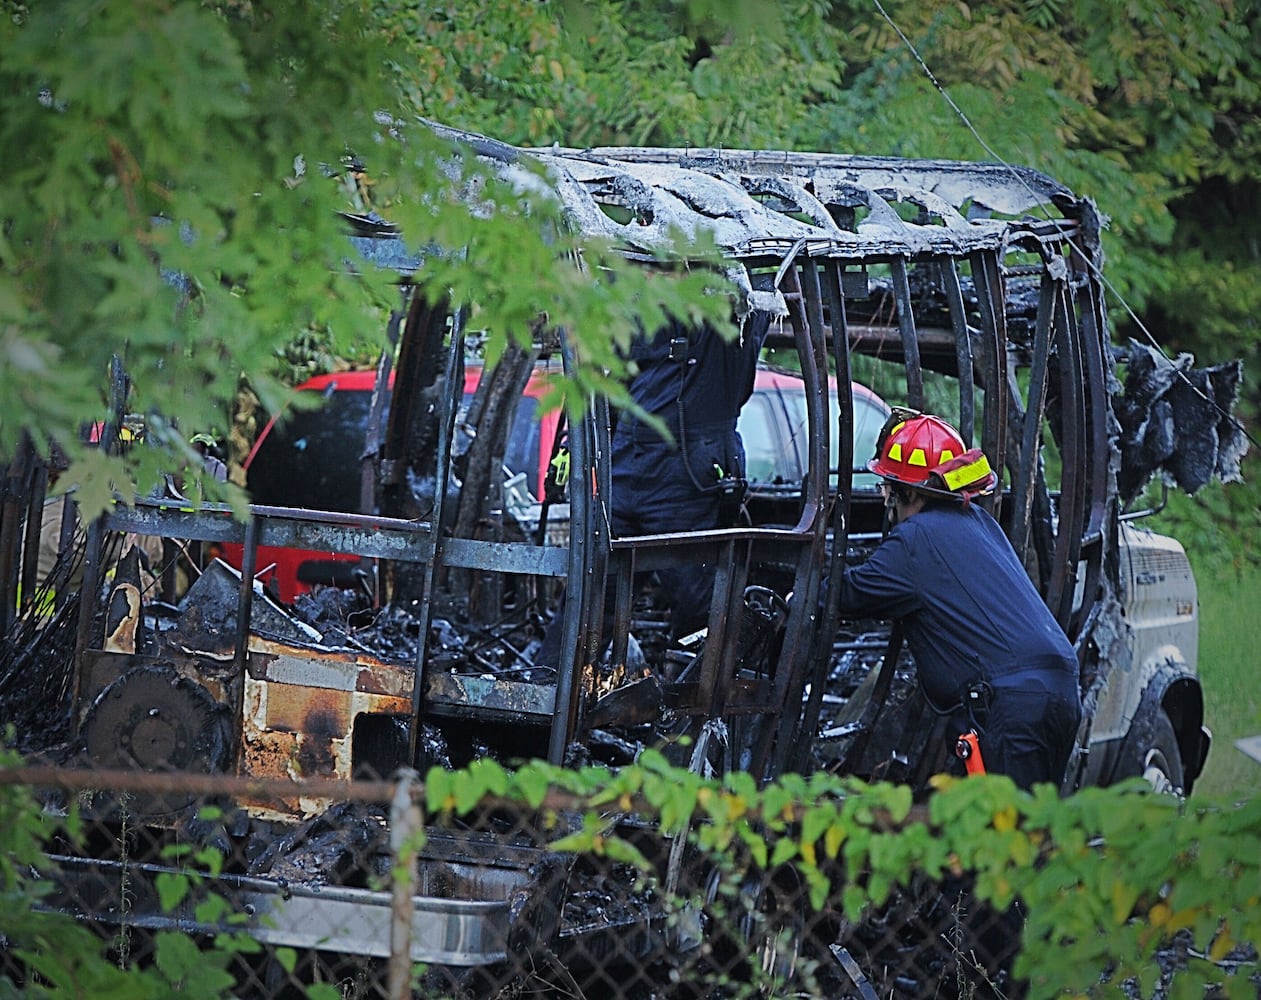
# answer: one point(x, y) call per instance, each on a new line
point(978, 285)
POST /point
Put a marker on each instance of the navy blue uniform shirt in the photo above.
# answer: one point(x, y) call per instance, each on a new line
point(969, 609)
point(696, 383)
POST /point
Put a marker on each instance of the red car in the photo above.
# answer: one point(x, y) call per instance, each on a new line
point(311, 458)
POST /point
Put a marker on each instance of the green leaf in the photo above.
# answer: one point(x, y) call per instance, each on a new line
point(178, 957)
point(172, 890)
point(756, 844)
point(617, 849)
point(816, 821)
point(532, 784)
point(489, 776)
point(853, 900)
point(214, 909)
point(440, 787)
point(785, 848)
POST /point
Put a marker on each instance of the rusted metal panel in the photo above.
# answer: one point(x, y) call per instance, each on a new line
point(305, 729)
point(335, 669)
point(313, 712)
point(282, 527)
point(469, 693)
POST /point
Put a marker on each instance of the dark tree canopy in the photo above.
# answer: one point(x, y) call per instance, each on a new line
point(176, 167)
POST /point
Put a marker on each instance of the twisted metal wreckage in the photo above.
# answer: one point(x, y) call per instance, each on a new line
point(976, 284)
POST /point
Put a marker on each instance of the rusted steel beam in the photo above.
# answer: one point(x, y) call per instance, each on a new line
point(282, 527)
point(1027, 475)
point(1074, 481)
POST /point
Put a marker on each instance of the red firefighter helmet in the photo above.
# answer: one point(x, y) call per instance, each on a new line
point(924, 451)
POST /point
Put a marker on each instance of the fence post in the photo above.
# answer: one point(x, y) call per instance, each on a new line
point(405, 826)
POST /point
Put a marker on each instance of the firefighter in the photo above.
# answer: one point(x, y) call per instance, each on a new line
point(988, 650)
point(695, 382)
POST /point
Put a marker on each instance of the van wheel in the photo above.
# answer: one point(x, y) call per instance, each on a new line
point(1152, 754)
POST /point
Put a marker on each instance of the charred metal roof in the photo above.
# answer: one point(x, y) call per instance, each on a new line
point(763, 203)
point(765, 206)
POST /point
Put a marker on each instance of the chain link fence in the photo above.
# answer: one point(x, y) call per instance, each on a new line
point(371, 898)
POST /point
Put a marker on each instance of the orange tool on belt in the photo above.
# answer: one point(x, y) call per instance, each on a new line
point(968, 748)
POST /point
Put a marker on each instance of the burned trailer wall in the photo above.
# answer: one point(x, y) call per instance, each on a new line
point(1063, 504)
point(729, 684)
point(477, 607)
point(482, 604)
point(228, 680)
point(993, 319)
point(480, 511)
point(408, 464)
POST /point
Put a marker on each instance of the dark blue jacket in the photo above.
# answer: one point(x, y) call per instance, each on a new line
point(969, 609)
point(696, 383)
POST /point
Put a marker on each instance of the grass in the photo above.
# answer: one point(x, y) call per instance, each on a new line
point(1220, 528)
point(1230, 661)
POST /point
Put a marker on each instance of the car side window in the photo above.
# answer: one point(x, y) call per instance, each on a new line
point(869, 417)
point(312, 458)
point(765, 458)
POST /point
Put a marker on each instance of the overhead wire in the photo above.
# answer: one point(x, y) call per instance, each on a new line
point(1093, 267)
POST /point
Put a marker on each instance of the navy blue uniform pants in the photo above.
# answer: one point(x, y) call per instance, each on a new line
point(1027, 733)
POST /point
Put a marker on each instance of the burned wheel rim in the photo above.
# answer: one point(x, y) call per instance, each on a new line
point(153, 719)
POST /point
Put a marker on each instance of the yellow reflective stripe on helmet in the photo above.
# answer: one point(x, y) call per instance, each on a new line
point(918, 458)
point(965, 474)
point(895, 452)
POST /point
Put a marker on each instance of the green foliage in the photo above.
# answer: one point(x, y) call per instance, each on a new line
point(170, 206)
point(1228, 578)
point(638, 72)
point(176, 206)
point(1218, 526)
point(182, 165)
point(1107, 878)
point(64, 958)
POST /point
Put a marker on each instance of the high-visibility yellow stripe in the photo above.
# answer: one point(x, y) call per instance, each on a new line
point(965, 474)
point(895, 452)
point(918, 458)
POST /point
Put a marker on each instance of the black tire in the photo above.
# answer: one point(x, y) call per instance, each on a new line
point(773, 924)
point(755, 925)
point(1151, 753)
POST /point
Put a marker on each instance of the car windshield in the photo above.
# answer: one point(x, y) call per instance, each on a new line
point(312, 458)
point(775, 438)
